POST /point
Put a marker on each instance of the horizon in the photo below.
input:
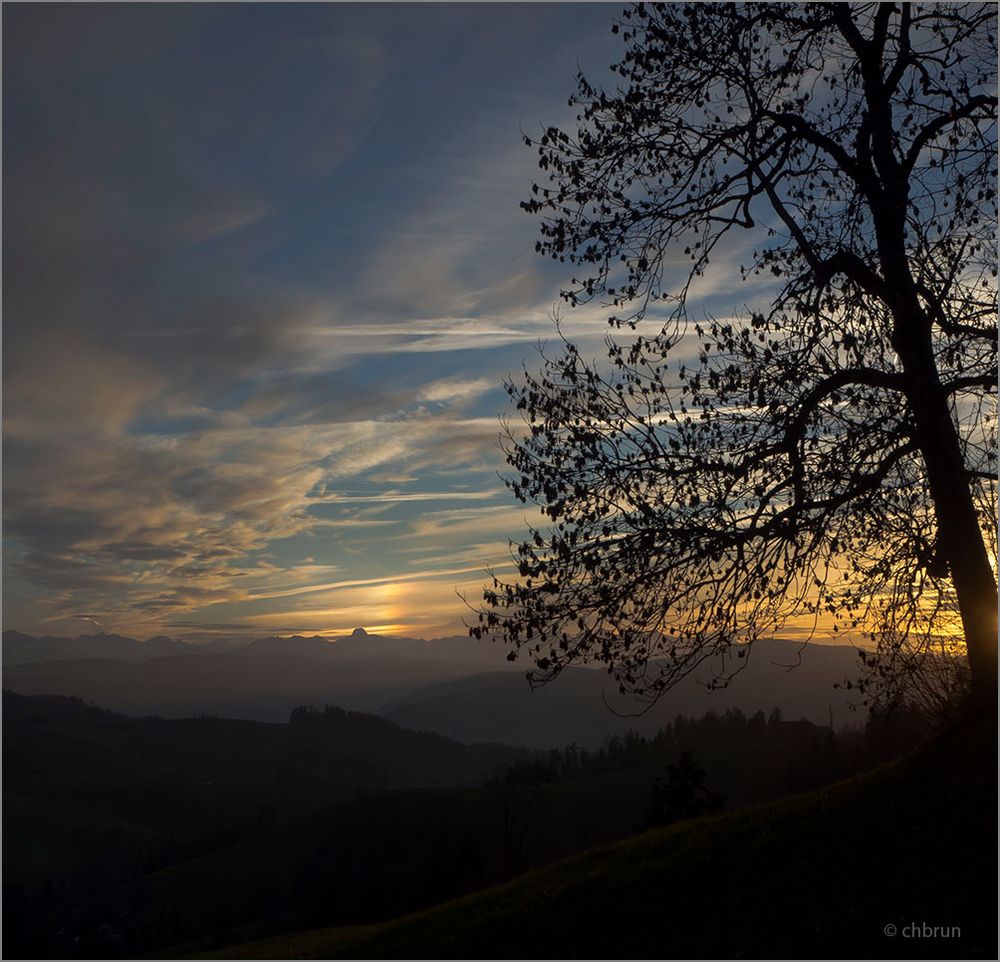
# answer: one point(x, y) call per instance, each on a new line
point(249, 636)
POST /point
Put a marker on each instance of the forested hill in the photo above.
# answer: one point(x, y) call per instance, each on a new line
point(125, 835)
point(898, 863)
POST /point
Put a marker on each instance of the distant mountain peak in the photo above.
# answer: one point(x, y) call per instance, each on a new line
point(359, 633)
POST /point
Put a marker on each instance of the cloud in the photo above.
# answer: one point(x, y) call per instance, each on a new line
point(403, 497)
point(56, 389)
point(415, 605)
point(365, 582)
point(470, 522)
point(222, 217)
point(90, 619)
point(457, 389)
point(160, 524)
point(485, 554)
point(257, 310)
point(214, 626)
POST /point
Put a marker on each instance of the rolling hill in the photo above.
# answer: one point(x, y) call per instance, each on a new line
point(457, 687)
point(127, 780)
point(261, 679)
point(496, 706)
point(125, 835)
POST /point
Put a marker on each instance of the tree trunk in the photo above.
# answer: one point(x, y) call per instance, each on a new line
point(959, 537)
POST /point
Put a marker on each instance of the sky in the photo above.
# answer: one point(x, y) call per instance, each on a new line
point(264, 274)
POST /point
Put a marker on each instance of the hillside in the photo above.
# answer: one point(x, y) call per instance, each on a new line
point(126, 836)
point(261, 679)
point(84, 786)
point(822, 875)
point(495, 706)
point(450, 686)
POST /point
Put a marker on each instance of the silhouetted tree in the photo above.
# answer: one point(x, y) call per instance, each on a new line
point(832, 453)
point(682, 793)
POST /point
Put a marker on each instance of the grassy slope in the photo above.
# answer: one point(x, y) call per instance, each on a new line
point(814, 876)
point(224, 881)
point(366, 853)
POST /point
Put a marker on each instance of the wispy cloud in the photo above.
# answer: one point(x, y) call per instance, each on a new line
point(365, 582)
point(403, 497)
point(457, 389)
point(222, 218)
point(258, 312)
point(153, 523)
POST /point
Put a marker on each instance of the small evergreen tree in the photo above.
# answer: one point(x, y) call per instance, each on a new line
point(682, 793)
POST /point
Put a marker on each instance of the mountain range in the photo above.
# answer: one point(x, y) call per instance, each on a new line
point(20, 648)
point(457, 687)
